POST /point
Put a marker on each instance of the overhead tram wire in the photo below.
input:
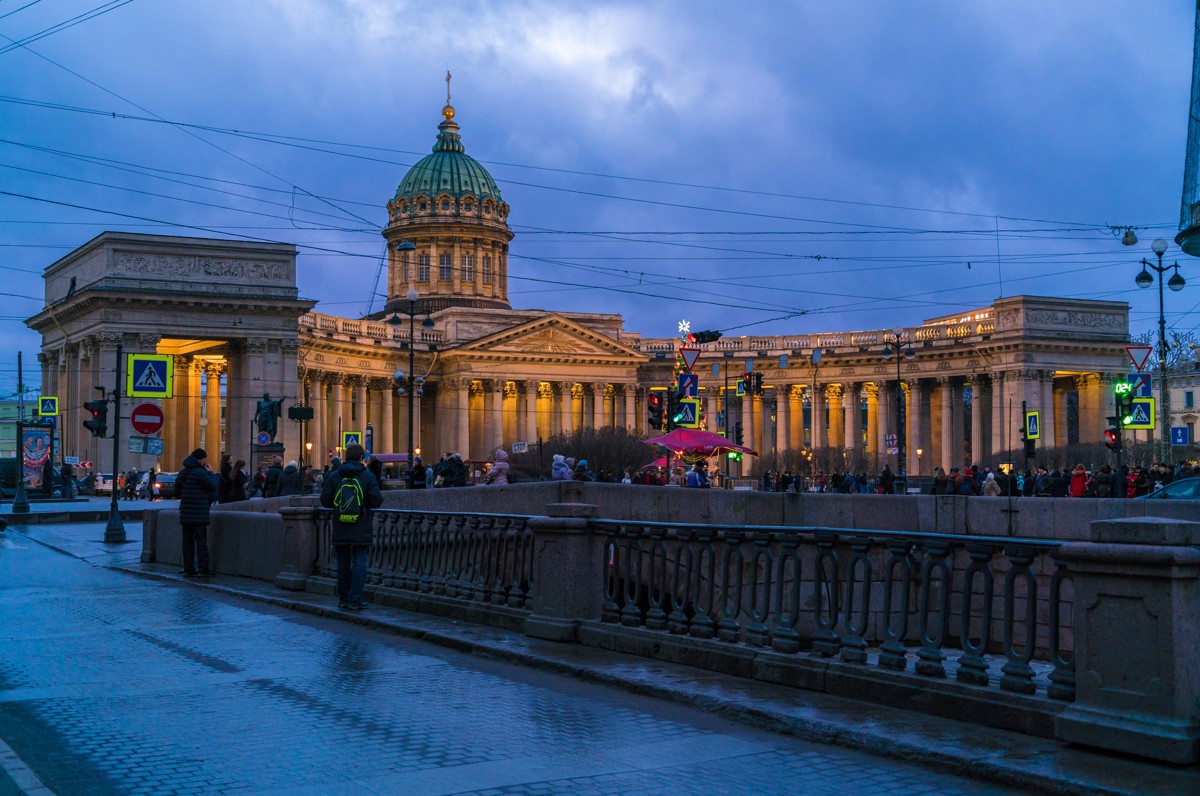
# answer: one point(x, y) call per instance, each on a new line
point(86, 16)
point(292, 141)
point(184, 130)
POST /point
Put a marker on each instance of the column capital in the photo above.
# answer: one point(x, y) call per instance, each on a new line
point(149, 340)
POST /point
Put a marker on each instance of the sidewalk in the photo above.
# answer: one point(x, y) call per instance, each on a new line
point(946, 746)
point(80, 510)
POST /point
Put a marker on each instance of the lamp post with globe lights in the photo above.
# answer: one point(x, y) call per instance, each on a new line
point(1176, 283)
point(895, 347)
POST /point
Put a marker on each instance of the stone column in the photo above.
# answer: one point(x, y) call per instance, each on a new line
point(817, 405)
point(493, 422)
point(1001, 403)
point(631, 403)
point(979, 454)
point(874, 444)
point(358, 390)
point(852, 435)
point(564, 396)
point(212, 411)
point(747, 420)
point(837, 419)
point(598, 417)
point(462, 417)
point(1091, 408)
point(916, 422)
point(796, 413)
point(528, 411)
point(338, 400)
point(387, 426)
point(949, 451)
point(783, 418)
point(1136, 586)
point(1048, 418)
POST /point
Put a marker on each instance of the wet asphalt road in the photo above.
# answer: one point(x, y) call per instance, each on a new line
point(111, 683)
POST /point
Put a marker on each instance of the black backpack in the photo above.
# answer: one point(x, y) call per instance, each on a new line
point(348, 501)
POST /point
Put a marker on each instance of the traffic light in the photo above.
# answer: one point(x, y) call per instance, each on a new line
point(655, 409)
point(98, 425)
point(1125, 408)
point(707, 336)
point(1030, 448)
point(1112, 435)
point(737, 433)
point(758, 380)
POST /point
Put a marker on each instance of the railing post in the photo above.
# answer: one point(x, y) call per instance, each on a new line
point(570, 566)
point(299, 546)
point(1137, 626)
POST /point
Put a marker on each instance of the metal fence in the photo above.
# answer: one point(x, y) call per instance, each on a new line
point(976, 608)
point(485, 558)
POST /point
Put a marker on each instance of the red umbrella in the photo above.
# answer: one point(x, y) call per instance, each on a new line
point(694, 441)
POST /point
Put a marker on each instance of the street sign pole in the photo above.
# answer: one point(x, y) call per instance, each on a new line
point(20, 503)
point(114, 531)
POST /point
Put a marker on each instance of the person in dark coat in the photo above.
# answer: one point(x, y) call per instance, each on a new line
point(290, 481)
point(239, 478)
point(225, 473)
point(416, 474)
point(351, 541)
point(196, 486)
point(271, 479)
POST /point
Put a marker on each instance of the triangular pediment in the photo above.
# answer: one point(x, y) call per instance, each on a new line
point(551, 337)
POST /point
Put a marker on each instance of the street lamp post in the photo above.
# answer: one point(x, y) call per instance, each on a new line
point(410, 380)
point(1176, 283)
point(895, 347)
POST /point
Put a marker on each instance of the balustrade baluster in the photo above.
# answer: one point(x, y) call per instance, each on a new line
point(935, 618)
point(656, 588)
point(784, 637)
point(408, 550)
point(760, 592)
point(325, 544)
point(1018, 674)
point(732, 563)
point(516, 573)
point(893, 652)
point(703, 625)
point(681, 584)
point(972, 665)
point(504, 552)
point(825, 639)
point(375, 551)
point(611, 611)
point(858, 592)
point(631, 612)
point(385, 540)
point(1062, 679)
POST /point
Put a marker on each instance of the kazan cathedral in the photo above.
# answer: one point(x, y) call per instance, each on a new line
point(230, 316)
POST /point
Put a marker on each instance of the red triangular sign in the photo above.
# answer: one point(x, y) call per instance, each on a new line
point(690, 355)
point(1138, 355)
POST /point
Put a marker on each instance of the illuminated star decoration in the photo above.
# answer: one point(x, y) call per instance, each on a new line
point(685, 328)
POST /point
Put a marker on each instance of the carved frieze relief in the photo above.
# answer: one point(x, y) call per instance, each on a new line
point(216, 268)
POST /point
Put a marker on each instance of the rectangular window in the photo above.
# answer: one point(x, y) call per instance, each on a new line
point(487, 269)
point(445, 268)
point(1189, 399)
point(468, 268)
point(423, 268)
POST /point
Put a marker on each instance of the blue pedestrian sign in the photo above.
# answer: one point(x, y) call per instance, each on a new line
point(1033, 425)
point(48, 406)
point(149, 375)
point(688, 415)
point(1141, 414)
point(689, 385)
point(741, 388)
point(1179, 435)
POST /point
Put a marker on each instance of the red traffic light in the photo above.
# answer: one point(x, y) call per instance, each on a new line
point(98, 425)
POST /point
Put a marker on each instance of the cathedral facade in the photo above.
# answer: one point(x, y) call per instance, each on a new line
point(488, 375)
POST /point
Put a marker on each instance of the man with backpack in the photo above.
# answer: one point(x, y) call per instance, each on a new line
point(351, 491)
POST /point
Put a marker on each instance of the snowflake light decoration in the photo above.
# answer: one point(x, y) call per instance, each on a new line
point(685, 328)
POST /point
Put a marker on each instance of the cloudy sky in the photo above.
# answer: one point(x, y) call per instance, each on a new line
point(753, 167)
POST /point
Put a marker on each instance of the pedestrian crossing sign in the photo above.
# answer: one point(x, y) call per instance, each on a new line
point(688, 415)
point(48, 406)
point(149, 375)
point(351, 438)
point(1033, 425)
point(1141, 414)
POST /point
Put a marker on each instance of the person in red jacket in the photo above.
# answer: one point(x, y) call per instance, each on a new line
point(1079, 479)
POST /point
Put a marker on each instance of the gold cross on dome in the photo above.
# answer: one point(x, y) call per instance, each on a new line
point(447, 86)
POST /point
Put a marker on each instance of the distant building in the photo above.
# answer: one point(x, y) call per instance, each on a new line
point(230, 314)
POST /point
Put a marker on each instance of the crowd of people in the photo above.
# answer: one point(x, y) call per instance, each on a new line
point(1103, 482)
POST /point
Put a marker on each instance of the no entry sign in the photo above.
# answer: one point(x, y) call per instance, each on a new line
point(146, 419)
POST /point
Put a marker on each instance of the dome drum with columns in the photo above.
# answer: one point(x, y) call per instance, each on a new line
point(450, 209)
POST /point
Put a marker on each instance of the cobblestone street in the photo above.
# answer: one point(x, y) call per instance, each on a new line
point(111, 683)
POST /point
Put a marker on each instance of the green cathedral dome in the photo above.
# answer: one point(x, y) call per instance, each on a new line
point(449, 170)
